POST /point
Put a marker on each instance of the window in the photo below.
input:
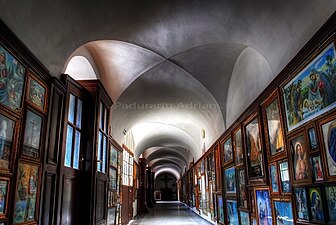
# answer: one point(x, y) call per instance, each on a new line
point(102, 138)
point(74, 131)
point(127, 169)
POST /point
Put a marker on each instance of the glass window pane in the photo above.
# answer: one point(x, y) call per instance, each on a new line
point(104, 154)
point(68, 149)
point(71, 114)
point(77, 150)
point(101, 124)
point(79, 113)
point(99, 151)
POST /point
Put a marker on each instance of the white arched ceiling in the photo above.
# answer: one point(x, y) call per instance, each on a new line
point(250, 76)
point(167, 170)
point(171, 52)
point(80, 68)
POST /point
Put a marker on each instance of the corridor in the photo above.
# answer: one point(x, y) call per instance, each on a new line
point(169, 213)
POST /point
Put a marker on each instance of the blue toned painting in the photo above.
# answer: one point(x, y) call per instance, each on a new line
point(301, 203)
point(220, 208)
point(12, 75)
point(331, 201)
point(283, 213)
point(230, 180)
point(312, 91)
point(244, 217)
point(316, 205)
point(329, 137)
point(264, 207)
point(274, 178)
point(232, 212)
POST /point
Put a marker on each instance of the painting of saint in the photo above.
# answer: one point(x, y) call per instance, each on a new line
point(12, 75)
point(232, 212)
point(264, 207)
point(6, 139)
point(244, 217)
point(242, 188)
point(254, 149)
point(220, 208)
point(228, 154)
point(36, 93)
point(312, 91)
point(317, 168)
point(316, 205)
point(274, 178)
point(3, 195)
point(301, 203)
point(238, 147)
point(312, 138)
point(331, 201)
point(230, 180)
point(32, 134)
point(275, 134)
point(300, 158)
point(329, 137)
point(284, 176)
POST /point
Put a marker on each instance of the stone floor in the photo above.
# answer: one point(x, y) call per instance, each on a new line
point(169, 213)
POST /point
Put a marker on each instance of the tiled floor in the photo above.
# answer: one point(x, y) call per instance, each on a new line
point(169, 213)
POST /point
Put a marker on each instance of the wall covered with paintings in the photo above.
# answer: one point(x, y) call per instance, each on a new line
point(277, 163)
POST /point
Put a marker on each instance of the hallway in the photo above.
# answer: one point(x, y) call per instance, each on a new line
point(168, 213)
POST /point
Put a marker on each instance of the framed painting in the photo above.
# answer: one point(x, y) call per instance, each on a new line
point(230, 181)
point(300, 160)
point(301, 204)
point(273, 127)
point(111, 216)
point(4, 187)
point(330, 193)
point(312, 138)
point(227, 150)
point(264, 209)
point(274, 178)
point(26, 192)
point(113, 179)
point(283, 211)
point(232, 212)
point(284, 177)
point(242, 192)
point(317, 168)
point(311, 91)
point(254, 149)
point(113, 156)
point(329, 139)
point(36, 93)
point(238, 146)
point(32, 135)
point(7, 128)
point(316, 204)
point(12, 76)
point(220, 209)
point(244, 217)
point(254, 221)
point(252, 201)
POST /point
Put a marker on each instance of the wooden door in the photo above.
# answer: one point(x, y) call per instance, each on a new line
point(71, 192)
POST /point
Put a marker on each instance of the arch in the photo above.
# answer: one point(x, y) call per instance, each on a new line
point(167, 170)
point(250, 75)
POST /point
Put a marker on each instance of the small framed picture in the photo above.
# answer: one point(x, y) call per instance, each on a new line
point(273, 127)
point(7, 129)
point(232, 212)
point(316, 204)
point(4, 187)
point(312, 138)
point(252, 201)
point(238, 146)
point(32, 135)
point(230, 181)
point(284, 177)
point(317, 168)
point(244, 217)
point(283, 211)
point(220, 205)
point(227, 150)
point(242, 192)
point(301, 204)
point(300, 160)
point(330, 192)
point(113, 179)
point(36, 93)
point(254, 221)
point(274, 178)
point(263, 202)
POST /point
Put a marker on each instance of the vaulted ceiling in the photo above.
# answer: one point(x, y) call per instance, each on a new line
point(174, 69)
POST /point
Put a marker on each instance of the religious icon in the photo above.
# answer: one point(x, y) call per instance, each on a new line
point(32, 135)
point(301, 203)
point(300, 158)
point(274, 178)
point(284, 177)
point(242, 189)
point(3, 195)
point(316, 204)
point(230, 180)
point(331, 201)
point(36, 93)
point(329, 138)
point(264, 206)
point(220, 208)
point(228, 154)
point(254, 149)
point(317, 168)
point(6, 140)
point(283, 212)
point(238, 147)
point(244, 217)
point(312, 138)
point(232, 212)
